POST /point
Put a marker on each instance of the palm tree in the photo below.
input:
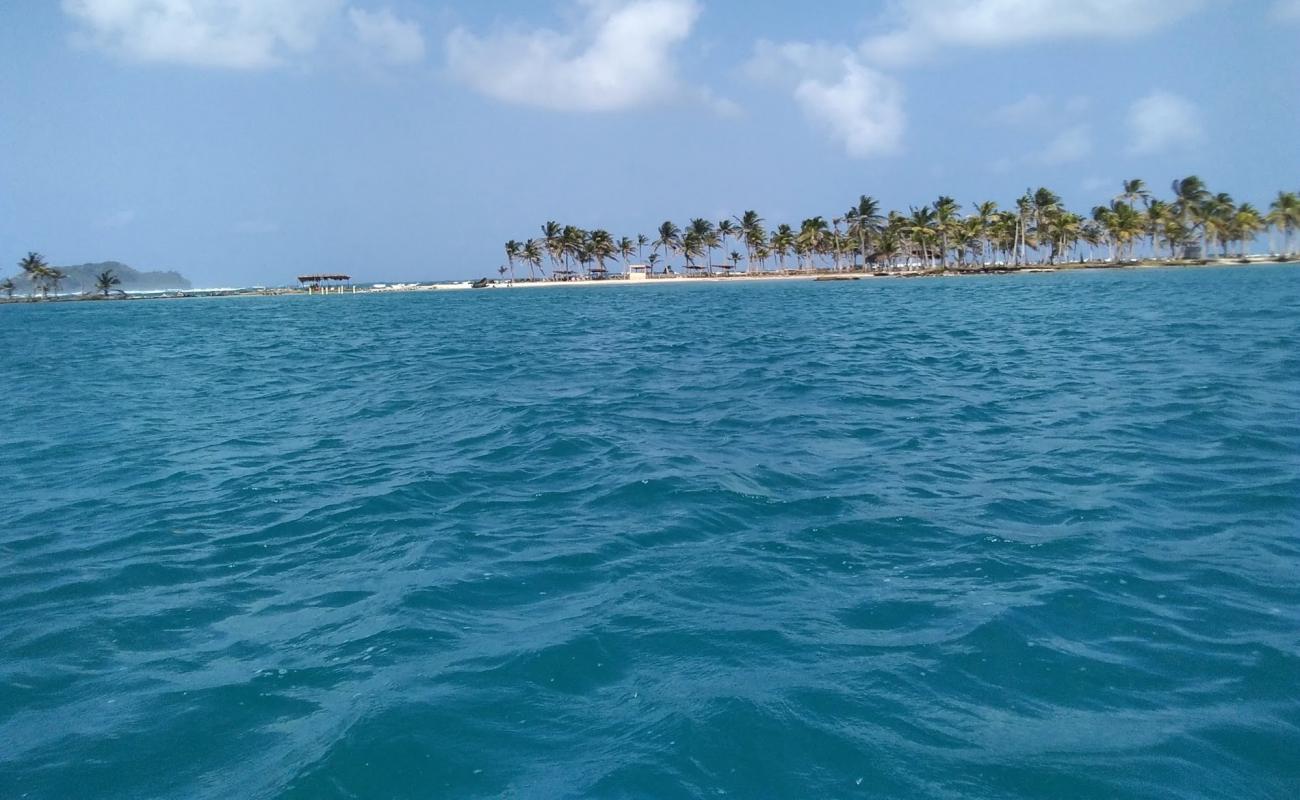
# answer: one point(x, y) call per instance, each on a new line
point(1246, 224)
point(670, 238)
point(1216, 220)
point(553, 239)
point(1065, 228)
point(1093, 235)
point(811, 241)
point(600, 246)
point(735, 260)
point(783, 239)
point(1122, 224)
point(1158, 214)
point(692, 246)
point(945, 214)
point(966, 239)
point(625, 248)
point(1189, 196)
point(888, 246)
point(751, 230)
point(984, 214)
point(1024, 204)
point(1004, 235)
point(106, 280)
point(706, 237)
point(1045, 203)
point(726, 230)
point(865, 223)
point(573, 246)
point(921, 231)
point(1175, 234)
point(532, 255)
point(835, 240)
point(34, 268)
point(641, 242)
point(1284, 217)
point(513, 250)
point(8, 287)
point(1135, 189)
point(51, 280)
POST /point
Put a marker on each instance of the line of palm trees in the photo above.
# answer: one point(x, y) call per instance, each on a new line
point(45, 278)
point(1038, 229)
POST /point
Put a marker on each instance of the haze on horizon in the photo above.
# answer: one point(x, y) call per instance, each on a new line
point(243, 142)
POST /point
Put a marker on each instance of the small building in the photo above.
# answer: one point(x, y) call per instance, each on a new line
point(324, 282)
point(639, 272)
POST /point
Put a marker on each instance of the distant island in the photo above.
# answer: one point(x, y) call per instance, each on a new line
point(83, 278)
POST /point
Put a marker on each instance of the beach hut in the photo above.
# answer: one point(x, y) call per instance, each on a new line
point(639, 272)
point(324, 282)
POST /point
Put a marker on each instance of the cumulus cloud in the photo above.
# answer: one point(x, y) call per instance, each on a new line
point(1162, 121)
point(922, 26)
point(234, 34)
point(857, 106)
point(620, 56)
point(394, 40)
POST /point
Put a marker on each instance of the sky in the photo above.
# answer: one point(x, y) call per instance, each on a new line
point(243, 142)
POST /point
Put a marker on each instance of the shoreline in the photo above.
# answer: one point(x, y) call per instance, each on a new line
point(826, 275)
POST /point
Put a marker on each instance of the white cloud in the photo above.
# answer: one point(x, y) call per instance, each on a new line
point(855, 105)
point(395, 40)
point(1071, 144)
point(1162, 121)
point(1287, 10)
point(620, 57)
point(923, 26)
point(235, 34)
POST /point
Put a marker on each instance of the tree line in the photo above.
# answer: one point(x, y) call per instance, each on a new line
point(1037, 229)
point(45, 278)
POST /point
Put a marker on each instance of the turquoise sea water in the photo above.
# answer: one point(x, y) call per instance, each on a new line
point(1025, 536)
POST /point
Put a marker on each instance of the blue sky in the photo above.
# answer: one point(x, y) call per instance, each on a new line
point(245, 141)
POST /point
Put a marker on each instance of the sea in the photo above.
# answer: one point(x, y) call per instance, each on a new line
point(1017, 536)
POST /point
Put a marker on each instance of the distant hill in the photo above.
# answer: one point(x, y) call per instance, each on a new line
point(81, 278)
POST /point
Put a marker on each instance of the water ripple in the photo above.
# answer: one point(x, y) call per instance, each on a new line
point(1014, 536)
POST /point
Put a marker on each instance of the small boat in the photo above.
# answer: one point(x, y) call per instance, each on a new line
point(836, 278)
point(481, 283)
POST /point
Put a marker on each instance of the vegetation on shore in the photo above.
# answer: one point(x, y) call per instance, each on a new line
point(39, 274)
point(37, 278)
point(1037, 230)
